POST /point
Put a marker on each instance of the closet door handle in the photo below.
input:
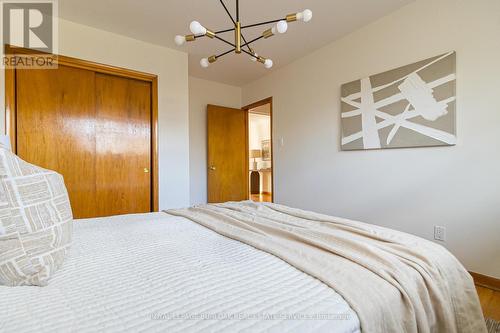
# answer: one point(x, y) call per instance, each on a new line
point(212, 168)
point(146, 170)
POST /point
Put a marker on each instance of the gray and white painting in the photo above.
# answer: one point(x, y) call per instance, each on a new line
point(412, 106)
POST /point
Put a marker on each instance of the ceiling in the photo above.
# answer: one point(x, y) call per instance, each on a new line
point(158, 21)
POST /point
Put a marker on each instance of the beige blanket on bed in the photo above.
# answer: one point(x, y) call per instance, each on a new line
point(394, 281)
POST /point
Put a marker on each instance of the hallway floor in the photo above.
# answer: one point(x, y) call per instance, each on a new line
point(263, 197)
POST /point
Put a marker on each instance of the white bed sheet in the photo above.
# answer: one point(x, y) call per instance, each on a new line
point(150, 272)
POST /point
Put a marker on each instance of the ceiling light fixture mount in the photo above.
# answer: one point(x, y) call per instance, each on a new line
point(280, 26)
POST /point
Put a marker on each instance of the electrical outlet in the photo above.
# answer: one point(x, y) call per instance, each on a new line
point(440, 233)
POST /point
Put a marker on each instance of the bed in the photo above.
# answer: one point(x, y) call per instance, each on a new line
point(246, 267)
point(160, 273)
point(229, 267)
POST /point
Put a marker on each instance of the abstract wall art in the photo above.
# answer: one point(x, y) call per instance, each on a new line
point(411, 106)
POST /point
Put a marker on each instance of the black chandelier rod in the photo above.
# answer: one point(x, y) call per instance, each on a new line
point(252, 41)
point(246, 44)
point(237, 10)
point(225, 41)
point(229, 43)
point(250, 54)
point(232, 19)
point(228, 13)
point(249, 26)
point(223, 54)
point(258, 24)
point(223, 31)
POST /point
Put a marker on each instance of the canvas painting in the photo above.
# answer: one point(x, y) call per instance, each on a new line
point(411, 106)
point(266, 150)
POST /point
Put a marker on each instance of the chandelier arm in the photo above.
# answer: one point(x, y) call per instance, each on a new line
point(223, 31)
point(232, 19)
point(244, 39)
point(225, 41)
point(223, 54)
point(259, 24)
point(227, 11)
point(237, 10)
point(253, 41)
point(250, 54)
point(229, 43)
point(246, 43)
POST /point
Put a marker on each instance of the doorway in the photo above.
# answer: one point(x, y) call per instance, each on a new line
point(239, 153)
point(260, 180)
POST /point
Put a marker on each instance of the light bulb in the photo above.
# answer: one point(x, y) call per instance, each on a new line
point(282, 26)
point(305, 16)
point(254, 59)
point(180, 40)
point(197, 29)
point(204, 63)
point(268, 63)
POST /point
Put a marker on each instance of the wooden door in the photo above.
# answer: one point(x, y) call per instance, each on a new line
point(123, 145)
point(56, 128)
point(227, 154)
point(94, 129)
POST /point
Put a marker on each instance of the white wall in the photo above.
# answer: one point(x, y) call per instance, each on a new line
point(406, 189)
point(171, 66)
point(202, 93)
point(259, 129)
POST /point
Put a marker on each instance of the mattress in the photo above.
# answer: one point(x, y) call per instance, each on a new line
point(159, 273)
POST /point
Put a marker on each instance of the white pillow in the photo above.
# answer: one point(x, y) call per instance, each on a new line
point(5, 142)
point(36, 222)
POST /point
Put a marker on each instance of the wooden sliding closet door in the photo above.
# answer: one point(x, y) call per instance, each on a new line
point(123, 137)
point(56, 128)
point(93, 128)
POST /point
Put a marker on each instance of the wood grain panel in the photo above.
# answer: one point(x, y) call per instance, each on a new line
point(56, 128)
point(12, 118)
point(123, 140)
point(11, 107)
point(227, 154)
point(486, 281)
point(490, 302)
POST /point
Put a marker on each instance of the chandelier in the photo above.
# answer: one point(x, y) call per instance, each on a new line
point(241, 44)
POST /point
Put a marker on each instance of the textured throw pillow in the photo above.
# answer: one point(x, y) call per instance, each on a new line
point(36, 222)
